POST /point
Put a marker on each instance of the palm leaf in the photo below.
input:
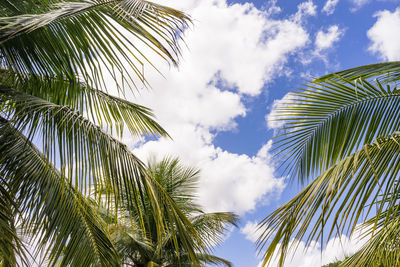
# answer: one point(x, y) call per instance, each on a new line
point(186, 241)
point(100, 107)
point(80, 37)
point(11, 247)
point(212, 226)
point(57, 216)
point(90, 157)
point(384, 72)
point(326, 122)
point(337, 200)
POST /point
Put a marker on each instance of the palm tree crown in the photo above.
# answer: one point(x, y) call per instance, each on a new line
point(53, 56)
point(145, 247)
point(343, 129)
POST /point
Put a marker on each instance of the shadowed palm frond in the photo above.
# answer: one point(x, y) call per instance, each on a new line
point(53, 55)
point(90, 157)
point(56, 215)
point(11, 247)
point(80, 37)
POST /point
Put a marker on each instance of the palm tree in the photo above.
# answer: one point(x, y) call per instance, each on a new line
point(145, 247)
point(342, 137)
point(52, 94)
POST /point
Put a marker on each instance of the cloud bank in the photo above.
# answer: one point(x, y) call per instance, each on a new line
point(336, 249)
point(234, 51)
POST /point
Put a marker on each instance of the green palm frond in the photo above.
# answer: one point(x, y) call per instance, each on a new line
point(53, 212)
point(382, 249)
point(384, 72)
point(204, 258)
point(212, 259)
point(19, 7)
point(212, 226)
point(11, 246)
point(103, 162)
point(326, 122)
point(178, 181)
point(381, 233)
point(186, 241)
point(53, 55)
point(102, 108)
point(333, 203)
point(77, 140)
point(79, 37)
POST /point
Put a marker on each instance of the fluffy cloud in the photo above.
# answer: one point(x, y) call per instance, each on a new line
point(336, 249)
point(357, 4)
point(273, 118)
point(325, 40)
point(233, 51)
point(330, 6)
point(383, 35)
point(305, 9)
point(251, 231)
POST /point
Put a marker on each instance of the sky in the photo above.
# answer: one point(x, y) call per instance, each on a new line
point(238, 61)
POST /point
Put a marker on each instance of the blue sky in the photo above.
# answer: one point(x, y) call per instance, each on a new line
point(241, 58)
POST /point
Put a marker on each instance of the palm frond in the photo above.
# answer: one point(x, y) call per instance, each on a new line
point(106, 110)
point(385, 72)
point(382, 235)
point(79, 37)
point(11, 247)
point(182, 240)
point(212, 226)
point(89, 157)
point(382, 248)
point(178, 181)
point(326, 122)
point(56, 215)
point(77, 140)
point(334, 202)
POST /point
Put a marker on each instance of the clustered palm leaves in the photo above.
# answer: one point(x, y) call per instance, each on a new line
point(144, 247)
point(53, 55)
point(342, 137)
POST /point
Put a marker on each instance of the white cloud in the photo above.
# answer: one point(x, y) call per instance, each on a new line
point(305, 9)
point(336, 249)
point(251, 231)
point(325, 40)
point(357, 4)
point(274, 119)
point(384, 36)
point(330, 6)
point(233, 51)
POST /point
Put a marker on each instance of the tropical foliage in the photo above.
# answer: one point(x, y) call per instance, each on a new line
point(144, 247)
point(52, 93)
point(342, 129)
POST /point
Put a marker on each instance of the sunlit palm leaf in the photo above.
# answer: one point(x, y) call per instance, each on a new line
point(56, 215)
point(86, 153)
point(79, 37)
point(384, 72)
point(106, 110)
point(212, 226)
point(338, 199)
point(326, 122)
point(188, 243)
point(382, 235)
